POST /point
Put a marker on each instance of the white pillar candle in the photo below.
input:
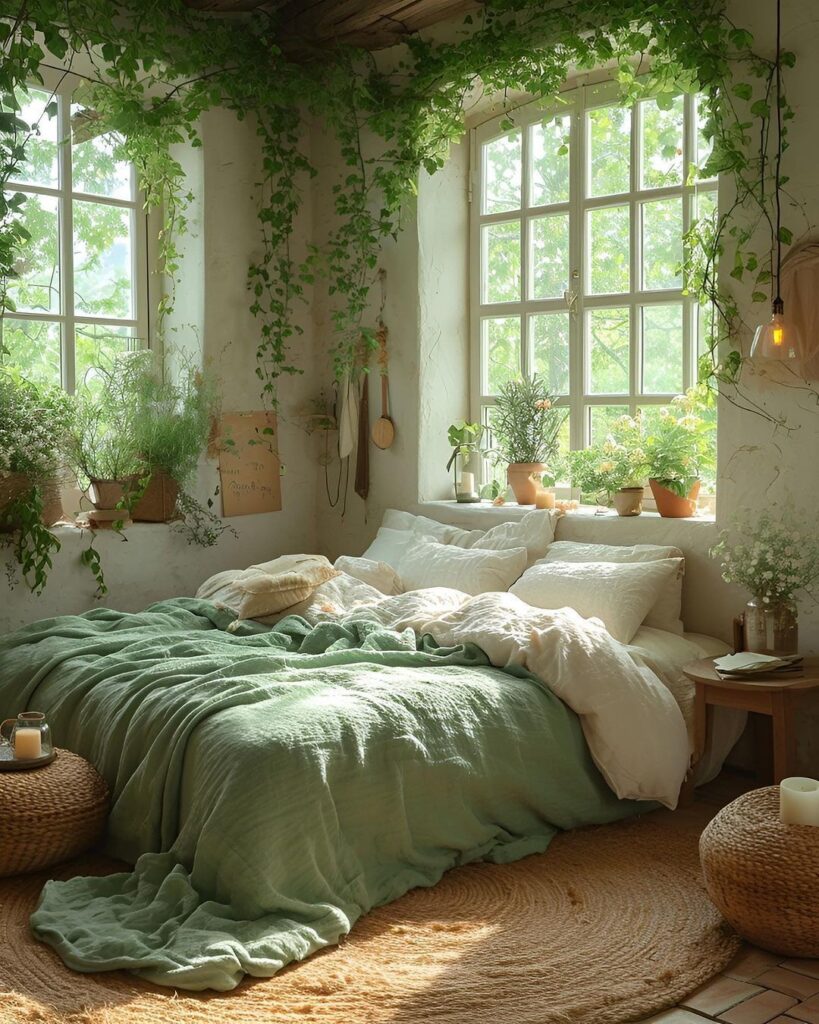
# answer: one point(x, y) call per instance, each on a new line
point(27, 743)
point(466, 485)
point(799, 801)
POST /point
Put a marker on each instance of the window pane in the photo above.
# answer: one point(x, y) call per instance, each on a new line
point(608, 254)
point(40, 166)
point(501, 174)
point(663, 349)
point(549, 144)
point(501, 348)
point(602, 419)
point(705, 204)
point(102, 260)
point(662, 243)
point(97, 345)
point(500, 257)
point(608, 337)
point(609, 135)
point(650, 416)
point(37, 288)
point(704, 146)
point(549, 257)
point(661, 145)
point(492, 471)
point(549, 337)
point(33, 348)
point(706, 327)
point(95, 169)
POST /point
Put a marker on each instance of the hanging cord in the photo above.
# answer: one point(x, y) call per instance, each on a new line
point(778, 147)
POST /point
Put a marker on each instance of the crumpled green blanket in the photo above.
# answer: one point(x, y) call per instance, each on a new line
point(273, 785)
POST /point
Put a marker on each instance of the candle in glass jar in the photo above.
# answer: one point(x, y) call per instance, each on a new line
point(27, 743)
point(544, 499)
point(799, 801)
point(466, 485)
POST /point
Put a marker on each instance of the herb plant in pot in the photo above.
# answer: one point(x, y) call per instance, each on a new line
point(680, 451)
point(525, 427)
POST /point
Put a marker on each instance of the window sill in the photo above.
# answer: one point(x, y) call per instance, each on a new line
point(511, 511)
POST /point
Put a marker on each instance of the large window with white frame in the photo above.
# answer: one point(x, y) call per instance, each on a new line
point(578, 218)
point(80, 294)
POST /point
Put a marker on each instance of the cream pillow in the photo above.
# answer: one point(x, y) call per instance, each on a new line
point(620, 595)
point(377, 574)
point(271, 587)
point(472, 570)
point(667, 613)
point(535, 532)
point(389, 545)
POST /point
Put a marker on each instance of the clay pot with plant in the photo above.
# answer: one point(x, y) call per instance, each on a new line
point(613, 471)
point(679, 450)
point(525, 428)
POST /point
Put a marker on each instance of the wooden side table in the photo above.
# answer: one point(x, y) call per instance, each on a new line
point(777, 696)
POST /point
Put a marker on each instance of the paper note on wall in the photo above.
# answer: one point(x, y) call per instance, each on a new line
point(249, 467)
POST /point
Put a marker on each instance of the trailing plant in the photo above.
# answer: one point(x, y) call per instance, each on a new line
point(679, 447)
point(157, 67)
point(34, 421)
point(525, 422)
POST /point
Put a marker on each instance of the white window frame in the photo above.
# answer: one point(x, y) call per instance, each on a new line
point(62, 87)
point(575, 103)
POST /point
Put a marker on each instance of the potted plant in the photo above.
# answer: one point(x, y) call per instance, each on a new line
point(612, 473)
point(34, 420)
point(774, 558)
point(525, 427)
point(679, 450)
point(465, 439)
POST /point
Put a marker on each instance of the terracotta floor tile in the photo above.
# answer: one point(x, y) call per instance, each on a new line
point(751, 961)
point(720, 994)
point(807, 1011)
point(759, 1009)
point(783, 980)
point(678, 1016)
point(809, 967)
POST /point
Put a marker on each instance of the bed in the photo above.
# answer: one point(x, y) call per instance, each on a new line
point(273, 781)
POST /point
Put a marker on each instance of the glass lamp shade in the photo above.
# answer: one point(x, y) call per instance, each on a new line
point(777, 339)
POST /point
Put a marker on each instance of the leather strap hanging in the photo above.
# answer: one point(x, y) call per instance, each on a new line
point(362, 461)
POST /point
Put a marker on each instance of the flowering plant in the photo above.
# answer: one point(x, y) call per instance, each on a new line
point(526, 422)
point(679, 444)
point(769, 555)
point(34, 420)
point(620, 461)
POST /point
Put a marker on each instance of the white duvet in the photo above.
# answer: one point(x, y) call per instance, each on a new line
point(633, 721)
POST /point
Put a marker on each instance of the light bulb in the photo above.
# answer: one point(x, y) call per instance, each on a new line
point(778, 339)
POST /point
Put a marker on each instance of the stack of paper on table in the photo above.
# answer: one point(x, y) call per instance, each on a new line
point(748, 662)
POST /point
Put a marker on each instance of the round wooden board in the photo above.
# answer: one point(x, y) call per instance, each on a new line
point(383, 432)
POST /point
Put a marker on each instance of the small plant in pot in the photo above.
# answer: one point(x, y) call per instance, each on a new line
point(679, 449)
point(612, 473)
point(525, 428)
point(467, 452)
point(34, 420)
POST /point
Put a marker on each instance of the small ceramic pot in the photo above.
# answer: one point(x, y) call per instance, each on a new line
point(524, 479)
point(671, 505)
point(628, 501)
point(107, 494)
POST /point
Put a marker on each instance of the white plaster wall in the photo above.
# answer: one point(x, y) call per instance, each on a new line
point(155, 561)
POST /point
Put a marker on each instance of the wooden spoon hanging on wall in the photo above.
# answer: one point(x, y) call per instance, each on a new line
point(383, 433)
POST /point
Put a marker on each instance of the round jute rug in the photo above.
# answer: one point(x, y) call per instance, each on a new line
point(611, 924)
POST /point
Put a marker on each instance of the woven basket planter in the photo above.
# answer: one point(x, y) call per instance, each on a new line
point(764, 875)
point(50, 814)
point(16, 484)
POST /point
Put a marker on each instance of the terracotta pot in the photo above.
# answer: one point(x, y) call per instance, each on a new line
point(628, 501)
point(524, 479)
point(671, 505)
point(107, 494)
point(16, 484)
point(158, 503)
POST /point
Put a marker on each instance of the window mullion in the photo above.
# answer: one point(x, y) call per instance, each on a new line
point(526, 362)
point(66, 228)
point(577, 283)
point(636, 255)
point(689, 305)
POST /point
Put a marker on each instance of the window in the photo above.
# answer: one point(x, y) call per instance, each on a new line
point(578, 217)
point(81, 293)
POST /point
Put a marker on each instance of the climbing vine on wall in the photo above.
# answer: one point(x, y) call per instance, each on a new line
point(151, 67)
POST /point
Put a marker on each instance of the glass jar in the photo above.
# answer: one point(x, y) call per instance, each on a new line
point(29, 735)
point(466, 470)
point(771, 627)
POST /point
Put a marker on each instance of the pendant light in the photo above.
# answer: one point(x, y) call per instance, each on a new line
point(778, 339)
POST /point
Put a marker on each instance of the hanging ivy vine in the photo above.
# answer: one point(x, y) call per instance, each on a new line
point(151, 68)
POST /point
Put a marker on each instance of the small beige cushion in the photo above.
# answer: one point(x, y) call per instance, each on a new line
point(270, 587)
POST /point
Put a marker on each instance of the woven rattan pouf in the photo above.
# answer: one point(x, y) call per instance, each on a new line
point(50, 814)
point(763, 875)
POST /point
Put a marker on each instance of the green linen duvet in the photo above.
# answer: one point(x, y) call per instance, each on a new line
point(273, 785)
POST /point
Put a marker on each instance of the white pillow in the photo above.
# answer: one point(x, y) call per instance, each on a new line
point(535, 532)
point(472, 570)
point(667, 612)
point(377, 574)
point(395, 519)
point(620, 595)
point(389, 545)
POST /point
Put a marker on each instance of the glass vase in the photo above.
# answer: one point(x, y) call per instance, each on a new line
point(771, 628)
